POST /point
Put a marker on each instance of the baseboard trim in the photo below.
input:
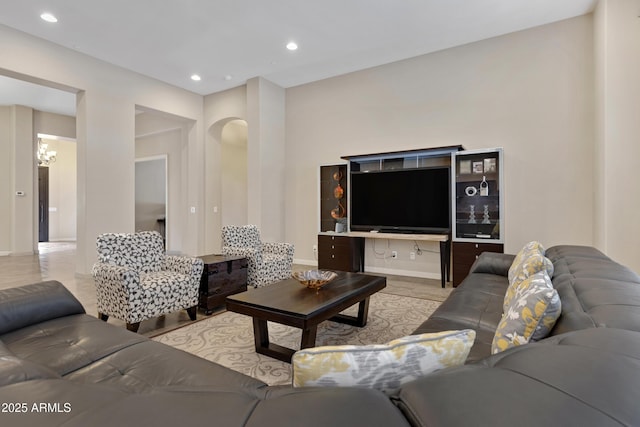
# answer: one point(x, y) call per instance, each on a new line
point(311, 262)
point(5, 253)
point(378, 270)
point(407, 273)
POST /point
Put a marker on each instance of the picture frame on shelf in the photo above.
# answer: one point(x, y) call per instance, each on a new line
point(478, 167)
point(465, 167)
point(490, 165)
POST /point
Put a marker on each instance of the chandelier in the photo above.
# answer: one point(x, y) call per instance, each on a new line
point(45, 157)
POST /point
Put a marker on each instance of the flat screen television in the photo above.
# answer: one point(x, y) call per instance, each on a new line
point(401, 201)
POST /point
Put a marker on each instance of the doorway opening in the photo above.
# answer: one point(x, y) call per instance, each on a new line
point(57, 191)
point(151, 195)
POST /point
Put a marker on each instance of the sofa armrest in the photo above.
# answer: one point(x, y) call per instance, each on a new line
point(35, 303)
point(249, 253)
point(286, 249)
point(493, 263)
point(185, 265)
point(116, 277)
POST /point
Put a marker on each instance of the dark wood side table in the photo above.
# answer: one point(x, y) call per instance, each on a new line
point(222, 276)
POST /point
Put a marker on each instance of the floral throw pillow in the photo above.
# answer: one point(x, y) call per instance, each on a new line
point(529, 261)
point(530, 316)
point(383, 367)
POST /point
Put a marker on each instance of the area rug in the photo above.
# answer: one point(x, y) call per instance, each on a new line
point(227, 338)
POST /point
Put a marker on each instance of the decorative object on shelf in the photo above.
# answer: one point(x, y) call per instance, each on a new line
point(477, 167)
point(471, 191)
point(465, 167)
point(490, 165)
point(485, 215)
point(314, 279)
point(339, 211)
point(45, 157)
point(472, 214)
point(484, 187)
point(333, 208)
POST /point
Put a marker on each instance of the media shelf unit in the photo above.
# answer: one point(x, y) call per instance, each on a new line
point(344, 251)
point(477, 207)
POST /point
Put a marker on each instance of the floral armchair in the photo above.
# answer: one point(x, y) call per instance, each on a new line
point(136, 281)
point(268, 262)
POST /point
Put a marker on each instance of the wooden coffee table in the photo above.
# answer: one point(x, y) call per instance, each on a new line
point(289, 303)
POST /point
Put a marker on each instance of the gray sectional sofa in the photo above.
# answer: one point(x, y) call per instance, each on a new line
point(62, 367)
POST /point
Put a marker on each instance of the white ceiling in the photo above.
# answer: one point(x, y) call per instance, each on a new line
point(171, 40)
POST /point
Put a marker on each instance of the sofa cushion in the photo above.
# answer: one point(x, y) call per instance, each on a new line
point(35, 303)
point(595, 290)
point(531, 314)
point(585, 378)
point(384, 367)
point(475, 304)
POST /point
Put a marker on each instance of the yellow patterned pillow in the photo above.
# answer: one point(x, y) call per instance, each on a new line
point(383, 367)
point(529, 261)
point(531, 248)
point(530, 316)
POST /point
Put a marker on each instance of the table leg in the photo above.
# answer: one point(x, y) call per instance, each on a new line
point(260, 333)
point(360, 320)
point(309, 337)
point(263, 346)
point(443, 263)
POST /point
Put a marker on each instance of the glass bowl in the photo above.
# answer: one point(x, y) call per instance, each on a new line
point(314, 279)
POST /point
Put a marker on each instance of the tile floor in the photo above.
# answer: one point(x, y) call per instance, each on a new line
point(56, 261)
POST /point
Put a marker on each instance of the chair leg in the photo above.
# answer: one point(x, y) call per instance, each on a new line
point(192, 311)
point(133, 327)
point(103, 316)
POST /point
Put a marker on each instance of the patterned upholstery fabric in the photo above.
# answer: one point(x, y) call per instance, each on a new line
point(531, 314)
point(529, 261)
point(135, 280)
point(267, 262)
point(383, 367)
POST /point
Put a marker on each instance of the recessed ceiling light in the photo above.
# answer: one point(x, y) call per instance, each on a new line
point(49, 17)
point(228, 77)
point(292, 46)
point(196, 78)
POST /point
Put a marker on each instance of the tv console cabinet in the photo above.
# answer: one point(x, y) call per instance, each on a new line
point(345, 251)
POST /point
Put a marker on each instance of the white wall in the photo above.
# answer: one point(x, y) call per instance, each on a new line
point(107, 98)
point(266, 161)
point(6, 180)
point(618, 88)
point(234, 198)
point(529, 92)
point(219, 109)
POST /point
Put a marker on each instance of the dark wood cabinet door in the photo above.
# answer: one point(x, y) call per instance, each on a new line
point(340, 253)
point(465, 254)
